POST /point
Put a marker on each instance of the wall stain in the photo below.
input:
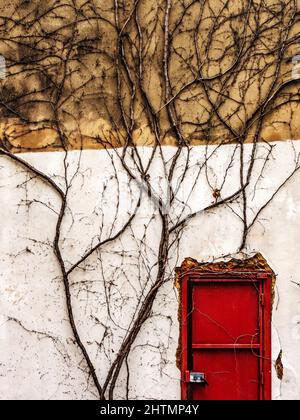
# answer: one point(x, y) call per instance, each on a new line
point(279, 366)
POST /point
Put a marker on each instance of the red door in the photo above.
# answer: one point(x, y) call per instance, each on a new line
point(226, 336)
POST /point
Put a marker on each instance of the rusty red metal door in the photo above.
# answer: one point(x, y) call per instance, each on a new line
point(226, 336)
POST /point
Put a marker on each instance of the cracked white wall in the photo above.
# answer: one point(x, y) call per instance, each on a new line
point(38, 357)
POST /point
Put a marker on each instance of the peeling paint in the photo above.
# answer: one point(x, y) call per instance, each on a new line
point(279, 366)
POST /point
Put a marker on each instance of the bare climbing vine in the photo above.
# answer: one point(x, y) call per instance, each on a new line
point(122, 74)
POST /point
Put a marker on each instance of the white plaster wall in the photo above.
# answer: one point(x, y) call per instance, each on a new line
point(38, 358)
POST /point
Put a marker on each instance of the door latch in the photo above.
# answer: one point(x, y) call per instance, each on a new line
point(196, 378)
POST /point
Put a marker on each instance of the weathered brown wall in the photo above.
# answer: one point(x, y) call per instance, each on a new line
point(77, 71)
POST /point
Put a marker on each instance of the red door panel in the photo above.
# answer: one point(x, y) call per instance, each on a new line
point(226, 313)
point(231, 375)
point(226, 336)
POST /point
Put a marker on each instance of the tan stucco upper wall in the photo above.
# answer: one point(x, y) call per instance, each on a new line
point(71, 80)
